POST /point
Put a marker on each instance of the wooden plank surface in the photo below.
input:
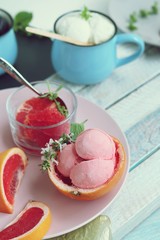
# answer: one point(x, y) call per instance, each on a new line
point(139, 197)
point(137, 105)
point(148, 229)
point(123, 81)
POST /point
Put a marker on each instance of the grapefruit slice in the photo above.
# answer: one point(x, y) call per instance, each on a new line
point(31, 224)
point(13, 162)
point(66, 187)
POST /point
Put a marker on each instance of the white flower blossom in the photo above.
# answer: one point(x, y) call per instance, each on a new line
point(54, 161)
point(43, 158)
point(61, 139)
point(63, 145)
point(47, 147)
point(51, 141)
point(43, 150)
point(49, 153)
point(60, 145)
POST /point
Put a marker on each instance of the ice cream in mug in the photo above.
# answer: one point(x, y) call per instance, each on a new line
point(96, 29)
point(95, 63)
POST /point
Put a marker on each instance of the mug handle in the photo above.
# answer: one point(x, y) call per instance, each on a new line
point(129, 38)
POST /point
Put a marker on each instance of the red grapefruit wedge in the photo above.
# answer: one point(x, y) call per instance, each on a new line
point(13, 162)
point(31, 224)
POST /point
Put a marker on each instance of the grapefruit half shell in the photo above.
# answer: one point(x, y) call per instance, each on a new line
point(66, 188)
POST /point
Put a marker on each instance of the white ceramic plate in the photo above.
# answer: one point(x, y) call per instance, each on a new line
point(148, 28)
point(67, 214)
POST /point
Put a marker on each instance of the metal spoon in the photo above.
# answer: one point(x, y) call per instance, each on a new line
point(8, 68)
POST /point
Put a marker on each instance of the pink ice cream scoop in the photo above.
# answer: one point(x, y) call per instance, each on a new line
point(67, 159)
point(92, 173)
point(95, 143)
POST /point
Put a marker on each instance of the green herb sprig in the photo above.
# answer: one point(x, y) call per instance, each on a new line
point(132, 21)
point(21, 21)
point(53, 96)
point(50, 94)
point(142, 13)
point(154, 8)
point(76, 129)
point(49, 153)
point(85, 13)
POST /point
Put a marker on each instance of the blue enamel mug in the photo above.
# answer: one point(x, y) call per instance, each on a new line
point(92, 64)
point(8, 41)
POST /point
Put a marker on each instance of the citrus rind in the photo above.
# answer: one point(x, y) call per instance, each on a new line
point(91, 194)
point(5, 205)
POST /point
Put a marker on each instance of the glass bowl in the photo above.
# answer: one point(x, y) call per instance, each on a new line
point(32, 138)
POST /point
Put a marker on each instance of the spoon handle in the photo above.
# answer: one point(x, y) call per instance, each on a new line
point(8, 68)
point(53, 35)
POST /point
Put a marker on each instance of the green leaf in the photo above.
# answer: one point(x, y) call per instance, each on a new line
point(53, 96)
point(144, 13)
point(132, 21)
point(45, 165)
point(62, 109)
point(22, 20)
point(97, 229)
point(85, 14)
point(132, 27)
point(133, 17)
point(154, 8)
point(76, 129)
